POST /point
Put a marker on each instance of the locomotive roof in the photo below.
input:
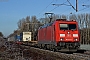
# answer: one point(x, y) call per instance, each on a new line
point(49, 24)
point(65, 20)
point(60, 20)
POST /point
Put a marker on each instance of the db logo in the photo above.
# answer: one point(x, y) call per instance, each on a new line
point(69, 35)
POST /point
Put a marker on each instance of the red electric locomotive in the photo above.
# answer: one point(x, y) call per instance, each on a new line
point(60, 34)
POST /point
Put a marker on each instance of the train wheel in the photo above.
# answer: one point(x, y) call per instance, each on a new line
point(55, 49)
point(52, 48)
point(40, 46)
point(45, 47)
point(36, 45)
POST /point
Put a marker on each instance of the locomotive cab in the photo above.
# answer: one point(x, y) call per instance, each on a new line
point(67, 34)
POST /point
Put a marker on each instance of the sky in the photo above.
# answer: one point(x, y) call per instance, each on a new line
point(11, 11)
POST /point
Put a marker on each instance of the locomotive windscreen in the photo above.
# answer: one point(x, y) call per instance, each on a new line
point(67, 26)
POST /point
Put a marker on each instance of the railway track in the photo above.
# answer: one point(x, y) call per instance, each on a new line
point(74, 56)
point(24, 52)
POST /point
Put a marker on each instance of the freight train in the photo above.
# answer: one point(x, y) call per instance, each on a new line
point(60, 34)
point(57, 35)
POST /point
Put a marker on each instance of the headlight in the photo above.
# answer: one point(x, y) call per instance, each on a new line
point(75, 35)
point(62, 35)
point(61, 39)
point(75, 39)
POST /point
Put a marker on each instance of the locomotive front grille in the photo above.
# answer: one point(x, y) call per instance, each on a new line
point(68, 44)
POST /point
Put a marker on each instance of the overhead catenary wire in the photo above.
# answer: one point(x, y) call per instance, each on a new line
point(71, 5)
point(87, 7)
point(46, 7)
point(57, 6)
point(63, 4)
point(84, 8)
point(53, 9)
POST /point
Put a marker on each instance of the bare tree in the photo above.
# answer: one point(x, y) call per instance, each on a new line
point(21, 24)
point(35, 24)
point(63, 17)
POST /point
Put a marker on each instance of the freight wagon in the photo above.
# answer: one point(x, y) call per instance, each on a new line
point(18, 39)
point(25, 36)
